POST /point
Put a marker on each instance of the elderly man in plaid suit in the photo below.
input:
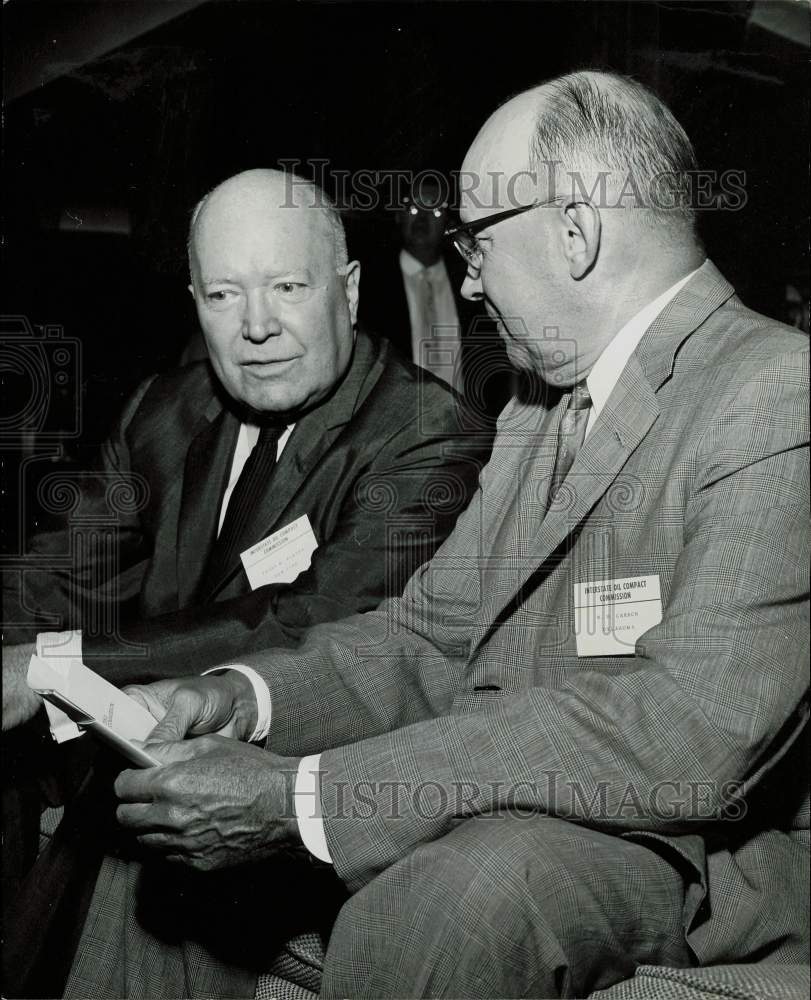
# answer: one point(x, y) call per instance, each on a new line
point(571, 747)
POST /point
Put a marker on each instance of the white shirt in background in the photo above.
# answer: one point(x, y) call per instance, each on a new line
point(435, 334)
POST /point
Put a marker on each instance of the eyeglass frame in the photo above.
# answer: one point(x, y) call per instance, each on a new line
point(471, 228)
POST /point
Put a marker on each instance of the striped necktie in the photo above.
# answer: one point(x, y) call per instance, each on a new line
point(571, 435)
point(250, 486)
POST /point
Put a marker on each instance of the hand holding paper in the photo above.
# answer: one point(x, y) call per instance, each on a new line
point(19, 702)
point(213, 803)
point(223, 704)
point(94, 704)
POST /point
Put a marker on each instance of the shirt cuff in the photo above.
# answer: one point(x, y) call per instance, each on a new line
point(53, 647)
point(264, 706)
point(307, 799)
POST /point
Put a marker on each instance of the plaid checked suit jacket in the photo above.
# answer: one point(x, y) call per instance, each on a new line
point(467, 695)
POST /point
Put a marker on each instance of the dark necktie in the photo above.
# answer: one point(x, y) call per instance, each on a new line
point(242, 502)
point(570, 436)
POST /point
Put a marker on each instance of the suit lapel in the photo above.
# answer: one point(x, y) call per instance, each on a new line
point(523, 483)
point(311, 438)
point(624, 423)
point(527, 537)
point(208, 462)
point(398, 317)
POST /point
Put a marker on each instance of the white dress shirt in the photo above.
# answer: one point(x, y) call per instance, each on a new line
point(435, 334)
point(69, 644)
point(246, 439)
point(610, 365)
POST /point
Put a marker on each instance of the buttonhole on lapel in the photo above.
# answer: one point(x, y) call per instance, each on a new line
point(362, 535)
point(619, 438)
point(487, 687)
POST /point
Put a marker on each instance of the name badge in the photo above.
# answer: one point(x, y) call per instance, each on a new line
point(610, 615)
point(280, 557)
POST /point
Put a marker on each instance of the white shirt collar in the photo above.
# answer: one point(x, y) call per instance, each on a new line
point(411, 266)
point(246, 440)
point(609, 366)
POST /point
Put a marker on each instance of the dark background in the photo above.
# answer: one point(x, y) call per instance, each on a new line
point(119, 116)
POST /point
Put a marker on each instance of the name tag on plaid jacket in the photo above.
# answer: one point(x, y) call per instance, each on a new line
point(610, 615)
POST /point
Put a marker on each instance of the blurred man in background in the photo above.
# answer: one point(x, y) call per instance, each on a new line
point(414, 298)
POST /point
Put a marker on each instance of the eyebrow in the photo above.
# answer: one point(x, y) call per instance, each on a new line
point(268, 276)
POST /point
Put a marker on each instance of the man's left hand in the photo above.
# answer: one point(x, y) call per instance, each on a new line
point(20, 703)
point(213, 802)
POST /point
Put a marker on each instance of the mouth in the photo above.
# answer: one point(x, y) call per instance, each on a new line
point(266, 366)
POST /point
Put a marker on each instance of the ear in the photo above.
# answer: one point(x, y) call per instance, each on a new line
point(352, 286)
point(581, 236)
point(190, 286)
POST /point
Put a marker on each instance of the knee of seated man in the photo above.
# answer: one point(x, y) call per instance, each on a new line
point(468, 896)
point(520, 903)
point(500, 868)
point(540, 871)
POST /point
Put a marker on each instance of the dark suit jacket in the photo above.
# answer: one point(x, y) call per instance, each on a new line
point(382, 469)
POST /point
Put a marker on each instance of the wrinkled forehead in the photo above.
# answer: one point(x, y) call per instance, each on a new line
point(495, 174)
point(256, 232)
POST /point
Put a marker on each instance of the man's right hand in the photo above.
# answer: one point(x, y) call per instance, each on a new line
point(224, 704)
point(19, 702)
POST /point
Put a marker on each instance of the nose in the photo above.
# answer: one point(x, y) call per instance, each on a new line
point(260, 320)
point(472, 286)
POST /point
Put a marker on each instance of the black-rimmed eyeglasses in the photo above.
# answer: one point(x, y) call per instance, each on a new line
point(464, 239)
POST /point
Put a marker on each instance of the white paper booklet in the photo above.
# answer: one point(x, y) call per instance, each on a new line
point(93, 704)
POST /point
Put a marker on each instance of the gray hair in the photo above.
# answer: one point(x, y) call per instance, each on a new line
point(319, 199)
point(596, 121)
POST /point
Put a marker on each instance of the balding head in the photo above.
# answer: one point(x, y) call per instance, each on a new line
point(590, 133)
point(600, 167)
point(265, 189)
point(275, 295)
point(500, 152)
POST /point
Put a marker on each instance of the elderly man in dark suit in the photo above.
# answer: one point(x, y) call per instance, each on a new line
point(372, 452)
point(573, 746)
point(297, 421)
